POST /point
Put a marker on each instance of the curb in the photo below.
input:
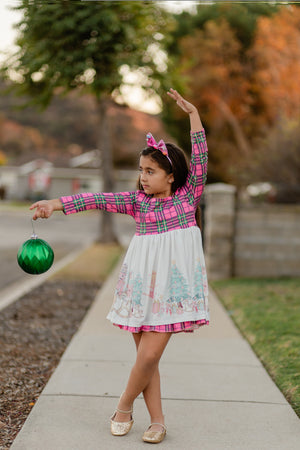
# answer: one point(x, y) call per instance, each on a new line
point(19, 288)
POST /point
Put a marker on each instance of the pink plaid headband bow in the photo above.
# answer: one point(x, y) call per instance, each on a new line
point(151, 142)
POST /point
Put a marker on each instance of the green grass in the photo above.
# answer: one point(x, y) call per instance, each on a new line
point(94, 264)
point(267, 312)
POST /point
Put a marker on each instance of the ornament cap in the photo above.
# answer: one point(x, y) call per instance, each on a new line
point(34, 235)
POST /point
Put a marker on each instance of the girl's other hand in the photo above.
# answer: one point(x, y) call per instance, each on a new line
point(181, 102)
point(44, 209)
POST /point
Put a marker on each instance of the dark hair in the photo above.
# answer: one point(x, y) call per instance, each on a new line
point(179, 168)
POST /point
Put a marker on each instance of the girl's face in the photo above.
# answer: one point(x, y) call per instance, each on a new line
point(154, 179)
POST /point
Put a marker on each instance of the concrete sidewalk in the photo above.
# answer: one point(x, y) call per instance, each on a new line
point(216, 394)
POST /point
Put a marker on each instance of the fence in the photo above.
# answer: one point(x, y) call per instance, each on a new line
point(247, 239)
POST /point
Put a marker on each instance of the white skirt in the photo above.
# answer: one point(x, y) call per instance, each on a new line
point(162, 281)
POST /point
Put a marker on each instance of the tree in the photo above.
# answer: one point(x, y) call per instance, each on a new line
point(242, 17)
point(277, 160)
point(212, 55)
point(218, 81)
point(71, 45)
point(276, 81)
point(277, 65)
point(178, 287)
point(218, 85)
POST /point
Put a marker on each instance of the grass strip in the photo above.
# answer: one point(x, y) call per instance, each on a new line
point(94, 264)
point(267, 312)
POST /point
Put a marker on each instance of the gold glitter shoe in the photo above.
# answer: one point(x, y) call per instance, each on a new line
point(120, 428)
point(155, 437)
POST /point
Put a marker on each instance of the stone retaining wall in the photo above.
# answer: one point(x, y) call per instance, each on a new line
point(249, 240)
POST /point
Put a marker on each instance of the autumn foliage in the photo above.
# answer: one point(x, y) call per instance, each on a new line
point(246, 91)
point(276, 55)
point(239, 64)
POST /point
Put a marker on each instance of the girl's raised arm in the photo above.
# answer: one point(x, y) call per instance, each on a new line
point(191, 110)
point(198, 165)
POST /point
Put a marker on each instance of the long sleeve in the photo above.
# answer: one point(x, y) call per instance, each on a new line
point(198, 167)
point(121, 202)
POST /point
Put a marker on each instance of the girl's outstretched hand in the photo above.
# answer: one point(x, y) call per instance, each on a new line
point(181, 102)
point(45, 208)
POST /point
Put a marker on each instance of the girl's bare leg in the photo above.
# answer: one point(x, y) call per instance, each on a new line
point(144, 376)
point(152, 393)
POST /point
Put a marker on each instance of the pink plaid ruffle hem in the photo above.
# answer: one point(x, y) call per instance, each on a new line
point(187, 327)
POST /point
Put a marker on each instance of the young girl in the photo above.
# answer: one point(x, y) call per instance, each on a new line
point(162, 287)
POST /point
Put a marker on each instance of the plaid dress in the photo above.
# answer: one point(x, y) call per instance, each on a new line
point(162, 284)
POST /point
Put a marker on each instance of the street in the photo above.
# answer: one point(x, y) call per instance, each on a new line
point(64, 233)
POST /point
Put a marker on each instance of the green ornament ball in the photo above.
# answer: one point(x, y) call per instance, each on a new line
point(35, 256)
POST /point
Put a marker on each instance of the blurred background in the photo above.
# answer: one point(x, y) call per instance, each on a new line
point(83, 81)
point(239, 63)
